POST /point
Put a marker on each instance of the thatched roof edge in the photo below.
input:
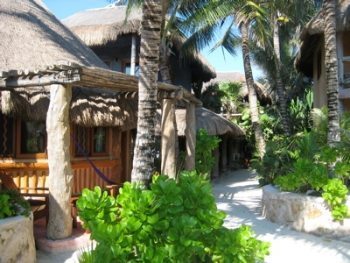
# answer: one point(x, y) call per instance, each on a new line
point(313, 32)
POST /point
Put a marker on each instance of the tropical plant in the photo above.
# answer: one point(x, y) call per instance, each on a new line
point(300, 112)
point(12, 204)
point(249, 17)
point(205, 145)
point(170, 222)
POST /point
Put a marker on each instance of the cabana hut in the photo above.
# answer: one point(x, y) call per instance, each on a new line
point(117, 42)
point(311, 57)
point(232, 136)
point(48, 77)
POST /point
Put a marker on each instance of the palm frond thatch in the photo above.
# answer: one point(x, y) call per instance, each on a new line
point(32, 37)
point(89, 107)
point(98, 27)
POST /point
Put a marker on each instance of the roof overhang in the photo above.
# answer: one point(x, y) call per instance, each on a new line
point(89, 77)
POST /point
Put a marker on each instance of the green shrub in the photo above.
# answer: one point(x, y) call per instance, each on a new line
point(320, 168)
point(170, 222)
point(12, 204)
point(205, 145)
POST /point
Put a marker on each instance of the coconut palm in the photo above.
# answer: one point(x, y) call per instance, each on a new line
point(144, 153)
point(250, 18)
point(281, 13)
point(331, 64)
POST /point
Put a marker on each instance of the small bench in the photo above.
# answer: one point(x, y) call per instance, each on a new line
point(34, 188)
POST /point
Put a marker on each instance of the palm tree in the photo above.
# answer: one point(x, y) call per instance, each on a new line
point(144, 153)
point(252, 97)
point(250, 17)
point(282, 12)
point(331, 63)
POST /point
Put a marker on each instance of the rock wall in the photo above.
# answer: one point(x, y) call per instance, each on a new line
point(303, 213)
point(17, 240)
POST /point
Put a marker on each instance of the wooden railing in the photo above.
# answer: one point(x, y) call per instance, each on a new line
point(33, 177)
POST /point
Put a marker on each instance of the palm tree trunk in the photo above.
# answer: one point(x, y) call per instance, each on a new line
point(253, 102)
point(144, 153)
point(282, 100)
point(331, 72)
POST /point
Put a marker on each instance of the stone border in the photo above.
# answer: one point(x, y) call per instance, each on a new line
point(17, 239)
point(303, 213)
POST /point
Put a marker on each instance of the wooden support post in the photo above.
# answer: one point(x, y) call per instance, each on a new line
point(223, 154)
point(133, 55)
point(168, 162)
point(216, 168)
point(230, 152)
point(61, 175)
point(190, 134)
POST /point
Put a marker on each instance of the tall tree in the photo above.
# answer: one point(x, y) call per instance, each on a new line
point(331, 63)
point(209, 18)
point(252, 97)
point(144, 153)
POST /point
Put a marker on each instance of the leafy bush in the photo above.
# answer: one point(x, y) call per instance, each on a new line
point(204, 152)
point(170, 222)
point(319, 168)
point(12, 204)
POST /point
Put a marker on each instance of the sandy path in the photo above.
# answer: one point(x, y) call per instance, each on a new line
point(239, 195)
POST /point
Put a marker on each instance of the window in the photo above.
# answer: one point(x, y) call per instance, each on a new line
point(33, 137)
point(90, 141)
point(127, 68)
point(81, 141)
point(100, 139)
point(6, 136)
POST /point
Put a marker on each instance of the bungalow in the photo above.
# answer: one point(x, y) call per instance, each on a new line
point(115, 39)
point(311, 57)
point(64, 115)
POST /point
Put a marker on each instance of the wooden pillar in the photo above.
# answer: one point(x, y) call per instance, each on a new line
point(60, 171)
point(168, 161)
point(190, 134)
point(223, 154)
point(216, 168)
point(133, 55)
point(229, 152)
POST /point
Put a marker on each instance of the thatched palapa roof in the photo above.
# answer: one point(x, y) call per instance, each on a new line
point(32, 37)
point(313, 32)
point(213, 123)
point(264, 95)
point(89, 107)
point(98, 27)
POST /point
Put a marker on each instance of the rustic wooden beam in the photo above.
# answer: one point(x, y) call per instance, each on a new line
point(133, 55)
point(61, 175)
point(223, 153)
point(44, 80)
point(216, 168)
point(190, 134)
point(168, 161)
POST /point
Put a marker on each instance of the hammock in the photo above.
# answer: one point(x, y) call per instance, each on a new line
point(97, 171)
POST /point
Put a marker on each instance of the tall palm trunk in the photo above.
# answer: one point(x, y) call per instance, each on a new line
point(144, 153)
point(331, 72)
point(282, 100)
point(253, 104)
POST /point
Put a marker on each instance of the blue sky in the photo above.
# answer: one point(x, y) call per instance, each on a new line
point(221, 62)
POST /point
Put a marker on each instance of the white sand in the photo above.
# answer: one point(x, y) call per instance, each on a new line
point(239, 195)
